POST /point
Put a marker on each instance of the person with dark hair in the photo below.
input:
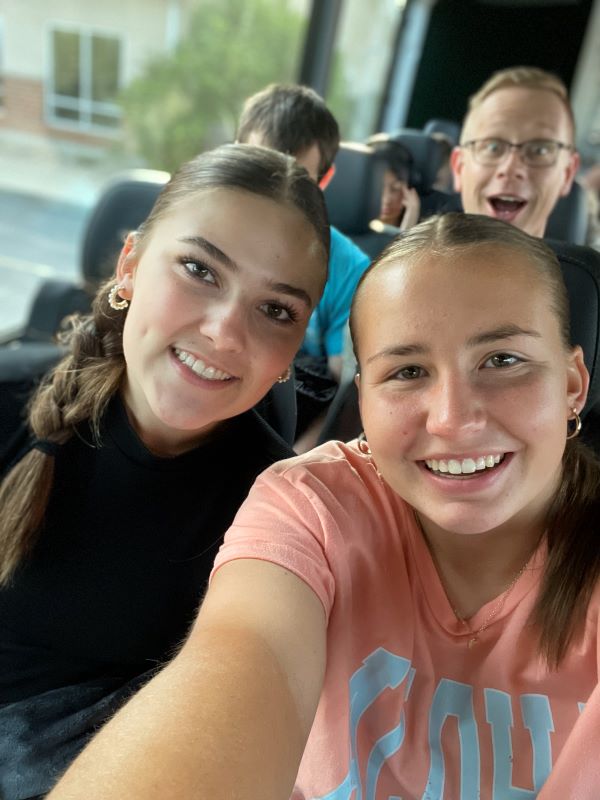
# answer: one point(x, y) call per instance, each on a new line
point(295, 120)
point(415, 613)
point(141, 444)
point(400, 203)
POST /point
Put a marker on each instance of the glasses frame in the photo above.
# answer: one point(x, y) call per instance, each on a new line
point(516, 146)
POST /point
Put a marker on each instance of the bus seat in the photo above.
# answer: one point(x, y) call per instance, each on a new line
point(353, 196)
point(448, 127)
point(123, 205)
point(581, 271)
point(569, 219)
point(427, 154)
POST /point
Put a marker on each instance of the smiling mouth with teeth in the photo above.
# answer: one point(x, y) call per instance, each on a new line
point(198, 367)
point(466, 466)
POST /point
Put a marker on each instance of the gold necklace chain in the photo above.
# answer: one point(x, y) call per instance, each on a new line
point(474, 637)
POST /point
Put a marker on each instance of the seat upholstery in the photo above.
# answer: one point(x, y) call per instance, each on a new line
point(353, 196)
point(123, 205)
point(569, 220)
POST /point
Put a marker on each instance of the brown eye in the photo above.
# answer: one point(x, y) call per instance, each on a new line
point(409, 373)
point(499, 360)
point(278, 312)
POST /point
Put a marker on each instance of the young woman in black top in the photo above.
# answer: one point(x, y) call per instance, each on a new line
point(142, 443)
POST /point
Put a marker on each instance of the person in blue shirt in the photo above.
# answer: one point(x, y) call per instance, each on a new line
point(295, 120)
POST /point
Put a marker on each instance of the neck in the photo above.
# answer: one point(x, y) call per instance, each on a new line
point(476, 568)
point(160, 439)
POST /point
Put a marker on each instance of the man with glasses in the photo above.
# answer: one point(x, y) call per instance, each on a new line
point(516, 155)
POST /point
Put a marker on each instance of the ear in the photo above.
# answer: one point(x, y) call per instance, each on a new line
point(570, 173)
point(126, 266)
point(456, 165)
point(578, 380)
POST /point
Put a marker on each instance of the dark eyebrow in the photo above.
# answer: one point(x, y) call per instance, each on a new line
point(294, 291)
point(502, 332)
point(219, 255)
point(211, 249)
point(399, 350)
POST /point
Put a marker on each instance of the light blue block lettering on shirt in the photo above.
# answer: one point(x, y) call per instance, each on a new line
point(380, 671)
point(453, 699)
point(386, 746)
point(537, 718)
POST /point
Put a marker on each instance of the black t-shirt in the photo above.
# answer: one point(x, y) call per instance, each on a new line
point(118, 572)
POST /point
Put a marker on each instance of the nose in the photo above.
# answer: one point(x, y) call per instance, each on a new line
point(224, 324)
point(512, 163)
point(454, 408)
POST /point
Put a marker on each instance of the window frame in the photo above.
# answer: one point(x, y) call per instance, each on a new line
point(83, 104)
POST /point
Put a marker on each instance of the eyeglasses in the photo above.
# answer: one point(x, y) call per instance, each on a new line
point(534, 152)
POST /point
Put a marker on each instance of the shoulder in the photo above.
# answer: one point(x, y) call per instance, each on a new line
point(331, 473)
point(345, 252)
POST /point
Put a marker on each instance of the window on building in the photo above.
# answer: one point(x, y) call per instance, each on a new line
point(1, 65)
point(84, 80)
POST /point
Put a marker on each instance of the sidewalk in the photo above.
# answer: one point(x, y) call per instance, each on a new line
point(56, 170)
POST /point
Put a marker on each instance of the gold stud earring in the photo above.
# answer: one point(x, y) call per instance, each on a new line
point(573, 430)
point(113, 302)
point(286, 376)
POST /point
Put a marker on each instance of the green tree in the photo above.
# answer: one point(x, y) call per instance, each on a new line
point(189, 101)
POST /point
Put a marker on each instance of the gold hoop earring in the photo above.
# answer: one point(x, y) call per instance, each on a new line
point(364, 448)
point(363, 445)
point(119, 304)
point(286, 376)
point(576, 428)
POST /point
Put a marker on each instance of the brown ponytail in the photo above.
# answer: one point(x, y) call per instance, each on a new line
point(573, 566)
point(76, 390)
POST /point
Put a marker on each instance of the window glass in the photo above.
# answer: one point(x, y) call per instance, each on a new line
point(105, 68)
point(362, 59)
point(1, 64)
point(66, 48)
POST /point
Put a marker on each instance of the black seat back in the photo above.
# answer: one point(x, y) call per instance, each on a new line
point(353, 196)
point(122, 207)
point(569, 220)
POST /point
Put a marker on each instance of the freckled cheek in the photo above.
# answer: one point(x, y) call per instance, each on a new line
point(391, 421)
point(530, 414)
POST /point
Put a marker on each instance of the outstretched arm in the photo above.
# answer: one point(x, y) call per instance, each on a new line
point(230, 715)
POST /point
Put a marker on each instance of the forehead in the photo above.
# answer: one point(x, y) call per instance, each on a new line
point(255, 232)
point(442, 297)
point(518, 114)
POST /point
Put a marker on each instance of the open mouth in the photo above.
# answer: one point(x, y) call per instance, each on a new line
point(198, 367)
point(506, 206)
point(453, 467)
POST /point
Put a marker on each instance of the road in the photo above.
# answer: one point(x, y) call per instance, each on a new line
point(40, 238)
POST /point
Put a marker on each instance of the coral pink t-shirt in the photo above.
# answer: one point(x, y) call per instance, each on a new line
point(408, 711)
